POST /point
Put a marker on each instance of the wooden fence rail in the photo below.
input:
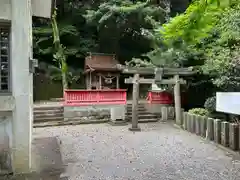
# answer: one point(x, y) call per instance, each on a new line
point(94, 97)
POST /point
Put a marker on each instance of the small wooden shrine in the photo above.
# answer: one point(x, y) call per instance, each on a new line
point(101, 71)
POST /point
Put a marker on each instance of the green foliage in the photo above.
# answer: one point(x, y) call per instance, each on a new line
point(222, 54)
point(207, 36)
point(199, 111)
point(127, 27)
point(210, 104)
point(195, 24)
point(55, 73)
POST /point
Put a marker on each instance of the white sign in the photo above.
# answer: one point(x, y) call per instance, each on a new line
point(228, 102)
point(42, 8)
point(5, 10)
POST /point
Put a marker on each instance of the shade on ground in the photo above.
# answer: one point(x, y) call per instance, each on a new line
point(159, 152)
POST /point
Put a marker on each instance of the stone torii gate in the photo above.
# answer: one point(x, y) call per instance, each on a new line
point(159, 73)
point(16, 81)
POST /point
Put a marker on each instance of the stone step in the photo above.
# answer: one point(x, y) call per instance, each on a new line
point(46, 108)
point(140, 109)
point(148, 120)
point(144, 120)
point(48, 119)
point(48, 111)
point(140, 106)
point(144, 116)
point(128, 113)
point(48, 115)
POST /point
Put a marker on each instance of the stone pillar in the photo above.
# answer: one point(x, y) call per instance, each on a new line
point(203, 126)
point(210, 130)
point(234, 136)
point(225, 134)
point(217, 131)
point(189, 121)
point(193, 120)
point(177, 101)
point(185, 120)
point(135, 95)
point(197, 124)
point(21, 51)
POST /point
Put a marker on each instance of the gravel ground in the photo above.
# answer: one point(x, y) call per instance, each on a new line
point(159, 152)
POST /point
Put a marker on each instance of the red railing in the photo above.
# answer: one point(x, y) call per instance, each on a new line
point(94, 97)
point(159, 97)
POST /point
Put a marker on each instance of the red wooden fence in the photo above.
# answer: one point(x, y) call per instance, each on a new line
point(160, 97)
point(94, 97)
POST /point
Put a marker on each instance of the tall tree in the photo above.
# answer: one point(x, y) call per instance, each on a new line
point(59, 54)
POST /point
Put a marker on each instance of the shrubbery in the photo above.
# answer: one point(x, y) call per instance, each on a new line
point(199, 111)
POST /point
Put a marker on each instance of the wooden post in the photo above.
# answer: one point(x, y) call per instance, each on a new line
point(177, 100)
point(90, 80)
point(135, 104)
point(117, 83)
point(100, 81)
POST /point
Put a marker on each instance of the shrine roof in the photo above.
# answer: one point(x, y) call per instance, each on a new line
point(101, 62)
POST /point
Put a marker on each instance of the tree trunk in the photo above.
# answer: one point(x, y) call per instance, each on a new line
point(59, 54)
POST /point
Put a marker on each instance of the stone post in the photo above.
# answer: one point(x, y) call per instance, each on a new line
point(210, 129)
point(225, 134)
point(193, 120)
point(217, 131)
point(197, 124)
point(185, 119)
point(203, 126)
point(189, 122)
point(21, 52)
point(234, 136)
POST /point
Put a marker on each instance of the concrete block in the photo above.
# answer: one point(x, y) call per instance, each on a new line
point(225, 134)
point(234, 136)
point(217, 131)
point(210, 129)
point(118, 112)
point(164, 112)
point(203, 126)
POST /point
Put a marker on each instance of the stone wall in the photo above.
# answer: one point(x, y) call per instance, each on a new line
point(87, 113)
point(94, 112)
